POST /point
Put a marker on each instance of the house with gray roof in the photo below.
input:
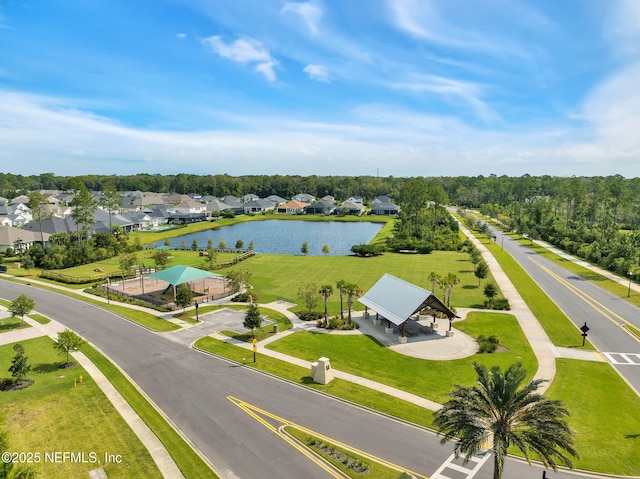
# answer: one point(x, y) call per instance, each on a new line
point(259, 206)
point(304, 198)
point(320, 208)
point(277, 200)
point(10, 235)
point(383, 206)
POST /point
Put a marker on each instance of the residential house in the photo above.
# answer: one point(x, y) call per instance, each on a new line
point(18, 214)
point(277, 200)
point(353, 199)
point(248, 198)
point(176, 198)
point(320, 208)
point(10, 237)
point(292, 207)
point(382, 205)
point(328, 198)
point(190, 207)
point(350, 208)
point(259, 206)
point(234, 204)
point(304, 198)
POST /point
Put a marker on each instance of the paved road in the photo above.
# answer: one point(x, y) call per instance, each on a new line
point(582, 301)
point(193, 389)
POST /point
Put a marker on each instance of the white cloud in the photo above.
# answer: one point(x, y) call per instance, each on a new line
point(72, 140)
point(450, 90)
point(612, 110)
point(181, 36)
point(428, 21)
point(246, 51)
point(310, 13)
point(317, 72)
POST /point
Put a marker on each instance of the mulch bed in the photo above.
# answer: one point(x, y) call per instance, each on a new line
point(7, 385)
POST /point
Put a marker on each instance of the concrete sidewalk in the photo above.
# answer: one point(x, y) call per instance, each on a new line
point(537, 337)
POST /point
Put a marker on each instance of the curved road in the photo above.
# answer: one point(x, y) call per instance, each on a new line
point(193, 390)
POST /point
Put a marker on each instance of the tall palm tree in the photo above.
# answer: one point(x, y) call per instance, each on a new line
point(353, 291)
point(452, 281)
point(326, 290)
point(497, 409)
point(433, 277)
point(341, 285)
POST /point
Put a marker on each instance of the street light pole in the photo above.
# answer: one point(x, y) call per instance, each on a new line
point(629, 290)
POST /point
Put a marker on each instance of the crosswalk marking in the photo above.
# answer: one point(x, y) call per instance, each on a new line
point(478, 461)
point(631, 359)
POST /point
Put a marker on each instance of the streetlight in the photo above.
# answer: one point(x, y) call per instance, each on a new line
point(629, 290)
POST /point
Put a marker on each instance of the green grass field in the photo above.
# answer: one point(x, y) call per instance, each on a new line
point(605, 414)
point(363, 356)
point(279, 276)
point(39, 418)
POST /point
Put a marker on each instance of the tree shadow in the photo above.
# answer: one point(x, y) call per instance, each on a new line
point(632, 436)
point(46, 368)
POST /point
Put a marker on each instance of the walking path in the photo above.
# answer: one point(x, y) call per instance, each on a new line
point(159, 453)
point(538, 339)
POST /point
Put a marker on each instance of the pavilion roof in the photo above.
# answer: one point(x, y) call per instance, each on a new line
point(397, 300)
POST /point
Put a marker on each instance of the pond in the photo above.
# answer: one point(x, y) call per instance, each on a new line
point(287, 236)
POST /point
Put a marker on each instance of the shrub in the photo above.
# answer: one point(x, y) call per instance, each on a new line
point(244, 297)
point(488, 345)
point(309, 315)
point(501, 304)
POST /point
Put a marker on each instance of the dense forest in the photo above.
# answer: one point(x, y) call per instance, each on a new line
point(597, 218)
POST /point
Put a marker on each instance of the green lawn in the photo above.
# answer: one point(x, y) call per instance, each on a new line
point(40, 318)
point(11, 323)
point(279, 276)
point(363, 356)
point(605, 415)
point(54, 415)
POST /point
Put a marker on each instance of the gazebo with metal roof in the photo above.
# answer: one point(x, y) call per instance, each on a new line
point(397, 300)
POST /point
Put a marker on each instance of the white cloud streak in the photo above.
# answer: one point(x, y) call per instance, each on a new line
point(72, 140)
point(245, 51)
point(317, 72)
point(310, 13)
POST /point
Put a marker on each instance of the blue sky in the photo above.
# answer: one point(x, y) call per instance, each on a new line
point(333, 87)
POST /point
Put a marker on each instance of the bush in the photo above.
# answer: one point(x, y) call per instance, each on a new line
point(341, 324)
point(501, 304)
point(244, 297)
point(488, 345)
point(309, 315)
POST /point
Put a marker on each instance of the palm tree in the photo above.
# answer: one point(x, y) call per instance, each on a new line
point(433, 277)
point(497, 409)
point(341, 285)
point(353, 291)
point(326, 290)
point(452, 281)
